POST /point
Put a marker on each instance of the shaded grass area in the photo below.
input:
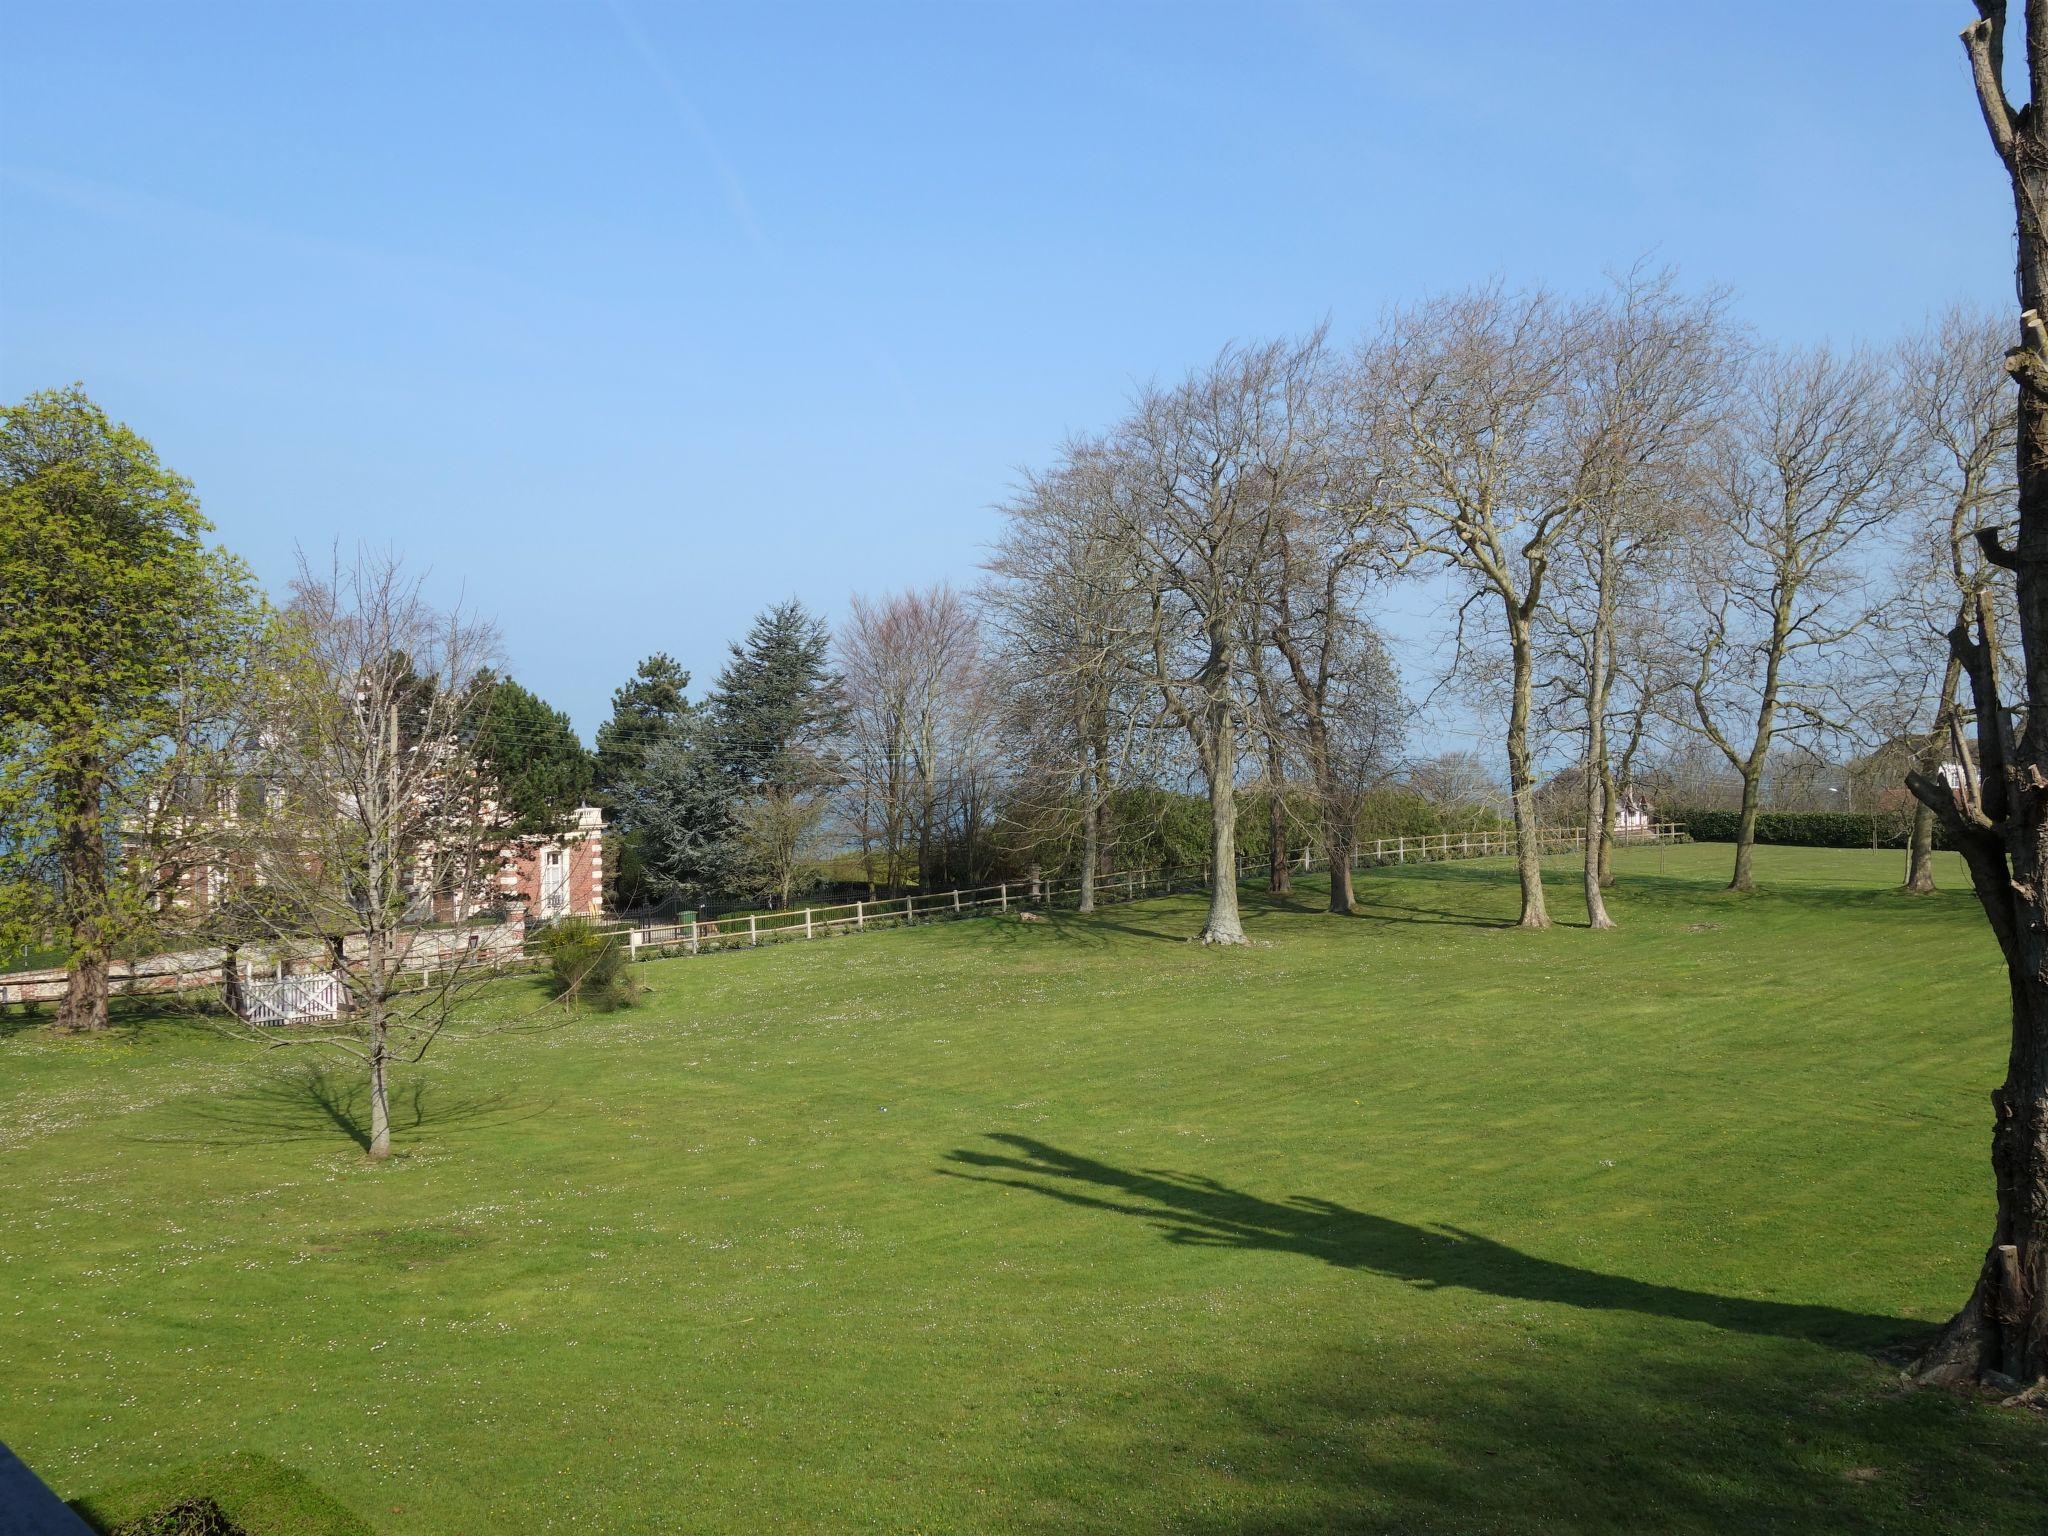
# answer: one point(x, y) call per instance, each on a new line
point(1397, 1222)
point(251, 1493)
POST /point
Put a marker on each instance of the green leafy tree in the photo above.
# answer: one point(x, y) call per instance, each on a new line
point(124, 639)
point(777, 703)
point(772, 720)
point(651, 704)
point(678, 812)
point(541, 770)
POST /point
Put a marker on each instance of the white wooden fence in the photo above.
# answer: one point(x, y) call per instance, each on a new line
point(290, 999)
point(750, 930)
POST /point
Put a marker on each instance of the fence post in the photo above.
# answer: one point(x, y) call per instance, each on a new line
point(956, 898)
point(694, 945)
point(909, 908)
point(807, 922)
point(1005, 897)
point(753, 933)
point(859, 916)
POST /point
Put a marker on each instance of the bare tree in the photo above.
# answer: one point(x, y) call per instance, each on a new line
point(918, 729)
point(1337, 698)
point(1457, 787)
point(1062, 607)
point(367, 817)
point(782, 836)
point(1206, 466)
point(1805, 472)
point(1475, 389)
point(1654, 364)
point(1998, 816)
point(1954, 385)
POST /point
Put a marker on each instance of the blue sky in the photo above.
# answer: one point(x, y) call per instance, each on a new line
point(628, 319)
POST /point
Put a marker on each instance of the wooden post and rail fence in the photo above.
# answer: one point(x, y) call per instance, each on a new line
point(699, 936)
point(296, 988)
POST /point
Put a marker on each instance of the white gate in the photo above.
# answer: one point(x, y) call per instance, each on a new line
point(289, 999)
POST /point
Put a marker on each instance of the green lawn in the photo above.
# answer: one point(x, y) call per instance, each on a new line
point(1404, 1222)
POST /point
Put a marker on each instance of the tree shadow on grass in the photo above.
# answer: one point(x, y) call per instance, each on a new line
point(314, 1102)
point(1195, 1211)
point(1601, 1434)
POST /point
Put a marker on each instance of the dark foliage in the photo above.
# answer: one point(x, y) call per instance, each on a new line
point(541, 769)
point(653, 702)
point(776, 703)
point(1805, 829)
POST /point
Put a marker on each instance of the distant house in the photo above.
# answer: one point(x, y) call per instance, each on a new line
point(1633, 814)
point(552, 874)
point(561, 875)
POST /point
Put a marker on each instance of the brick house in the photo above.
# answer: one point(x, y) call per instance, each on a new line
point(560, 875)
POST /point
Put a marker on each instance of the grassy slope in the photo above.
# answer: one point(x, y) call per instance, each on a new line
point(1406, 1222)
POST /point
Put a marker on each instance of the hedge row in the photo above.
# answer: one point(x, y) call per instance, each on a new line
point(1806, 829)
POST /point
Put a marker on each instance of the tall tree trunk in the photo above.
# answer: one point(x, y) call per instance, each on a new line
point(1596, 905)
point(231, 977)
point(1091, 842)
point(380, 1100)
point(1522, 778)
point(1745, 830)
point(1338, 842)
point(1609, 802)
point(2000, 822)
point(82, 868)
point(1595, 770)
point(1223, 925)
point(1279, 876)
point(1752, 767)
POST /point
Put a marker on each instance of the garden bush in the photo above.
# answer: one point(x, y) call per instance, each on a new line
point(586, 968)
point(1806, 829)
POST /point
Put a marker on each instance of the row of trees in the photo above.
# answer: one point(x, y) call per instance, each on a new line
point(1662, 542)
point(1661, 538)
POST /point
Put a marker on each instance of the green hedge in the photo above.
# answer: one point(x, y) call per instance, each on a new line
point(1805, 829)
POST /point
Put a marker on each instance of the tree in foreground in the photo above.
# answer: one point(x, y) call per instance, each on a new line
point(1960, 402)
point(124, 640)
point(370, 815)
point(1998, 817)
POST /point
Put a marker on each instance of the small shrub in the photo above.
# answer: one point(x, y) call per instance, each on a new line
point(586, 968)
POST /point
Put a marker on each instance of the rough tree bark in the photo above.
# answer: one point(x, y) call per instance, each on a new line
point(1223, 925)
point(1920, 847)
point(1521, 770)
point(82, 866)
point(1999, 818)
point(1279, 873)
point(1595, 775)
point(1091, 829)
